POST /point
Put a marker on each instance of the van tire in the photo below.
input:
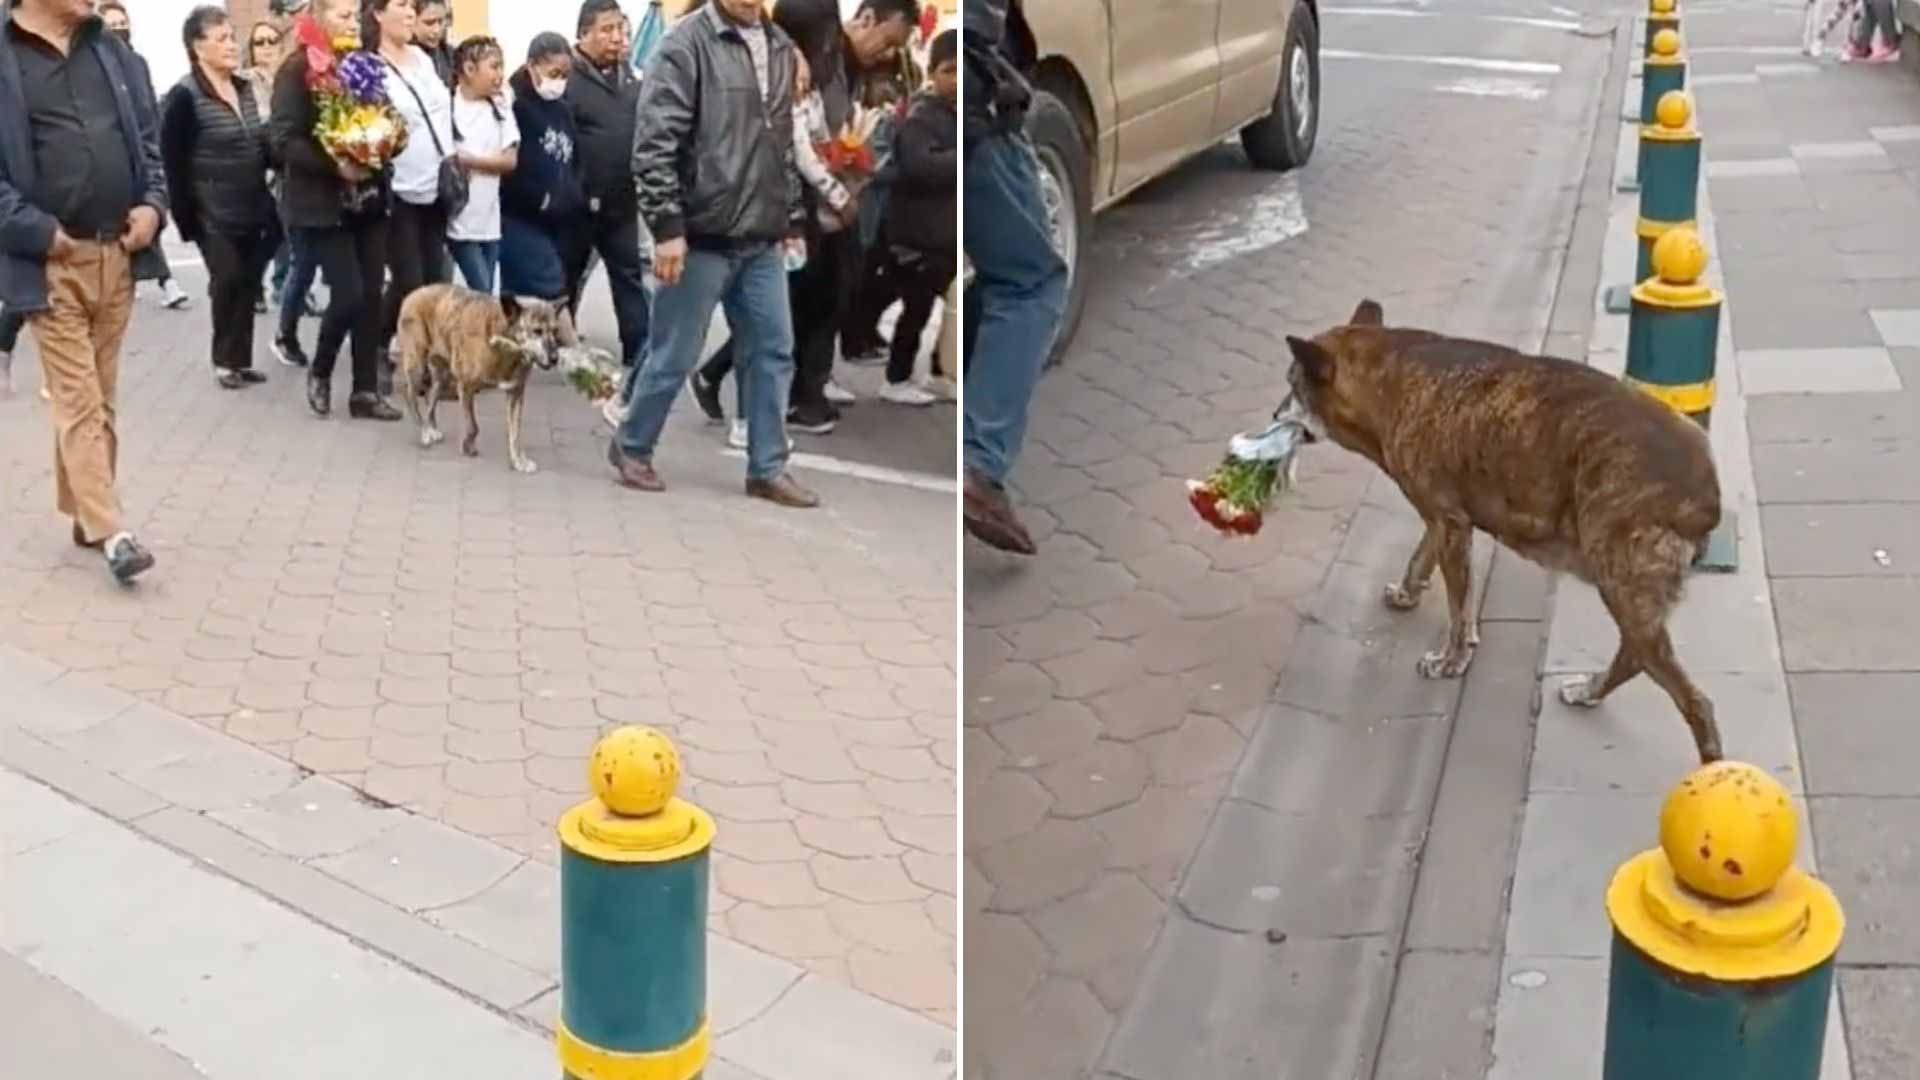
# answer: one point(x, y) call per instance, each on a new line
point(1063, 153)
point(1280, 141)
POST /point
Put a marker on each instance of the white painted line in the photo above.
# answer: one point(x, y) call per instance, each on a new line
point(879, 474)
point(1517, 67)
point(1817, 371)
point(1746, 50)
point(1402, 13)
point(1786, 69)
point(1896, 134)
point(1898, 327)
point(1837, 151)
point(1494, 86)
point(1733, 170)
point(1744, 78)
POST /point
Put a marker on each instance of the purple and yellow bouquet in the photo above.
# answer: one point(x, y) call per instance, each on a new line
point(357, 125)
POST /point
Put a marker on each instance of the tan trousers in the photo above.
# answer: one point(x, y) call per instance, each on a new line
point(949, 347)
point(90, 297)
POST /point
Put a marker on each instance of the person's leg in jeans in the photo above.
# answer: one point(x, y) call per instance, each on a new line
point(301, 267)
point(761, 317)
point(1020, 281)
point(676, 337)
point(472, 263)
point(920, 282)
point(618, 242)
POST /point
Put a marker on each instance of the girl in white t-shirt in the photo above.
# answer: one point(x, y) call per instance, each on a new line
point(416, 224)
point(487, 143)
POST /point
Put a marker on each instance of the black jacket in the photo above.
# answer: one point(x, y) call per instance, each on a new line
point(921, 210)
point(545, 186)
point(314, 195)
point(714, 163)
point(216, 159)
point(603, 119)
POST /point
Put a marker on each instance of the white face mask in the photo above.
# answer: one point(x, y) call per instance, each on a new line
point(550, 89)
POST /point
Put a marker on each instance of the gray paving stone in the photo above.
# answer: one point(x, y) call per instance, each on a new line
point(1870, 855)
point(1637, 743)
point(68, 774)
point(1851, 471)
point(805, 1037)
point(1880, 1007)
point(1304, 763)
point(67, 703)
point(518, 918)
point(1849, 624)
point(314, 818)
point(1720, 625)
point(1816, 371)
point(1857, 733)
point(420, 864)
point(220, 776)
point(1555, 1028)
point(1880, 267)
point(1516, 590)
point(28, 819)
point(1896, 133)
point(139, 739)
point(1570, 847)
point(743, 983)
point(1842, 539)
point(49, 1028)
point(1757, 190)
point(1440, 1025)
point(1336, 675)
point(1216, 1004)
point(1800, 321)
point(1305, 874)
point(20, 669)
point(1869, 418)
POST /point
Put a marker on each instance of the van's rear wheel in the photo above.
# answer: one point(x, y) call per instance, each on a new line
point(1066, 183)
point(1284, 138)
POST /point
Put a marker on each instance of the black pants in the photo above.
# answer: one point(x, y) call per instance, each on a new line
point(11, 323)
point(353, 256)
point(235, 262)
point(876, 292)
point(921, 277)
point(416, 254)
point(821, 293)
point(617, 239)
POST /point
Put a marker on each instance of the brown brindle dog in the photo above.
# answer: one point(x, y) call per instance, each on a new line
point(1566, 465)
point(450, 337)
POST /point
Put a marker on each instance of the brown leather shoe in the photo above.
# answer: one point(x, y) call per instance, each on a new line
point(783, 491)
point(990, 517)
point(632, 472)
point(80, 538)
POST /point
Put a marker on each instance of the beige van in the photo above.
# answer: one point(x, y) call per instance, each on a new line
point(1129, 89)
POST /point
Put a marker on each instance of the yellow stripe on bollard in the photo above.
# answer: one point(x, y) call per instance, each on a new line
point(1686, 400)
point(592, 1063)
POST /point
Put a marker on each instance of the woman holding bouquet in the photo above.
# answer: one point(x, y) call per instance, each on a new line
point(337, 177)
point(213, 144)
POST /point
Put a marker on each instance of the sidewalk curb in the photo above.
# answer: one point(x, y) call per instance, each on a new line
point(772, 1018)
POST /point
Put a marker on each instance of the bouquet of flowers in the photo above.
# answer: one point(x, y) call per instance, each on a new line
point(591, 371)
point(1234, 497)
point(850, 153)
point(358, 125)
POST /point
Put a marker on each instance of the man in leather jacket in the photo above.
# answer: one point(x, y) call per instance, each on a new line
point(1019, 289)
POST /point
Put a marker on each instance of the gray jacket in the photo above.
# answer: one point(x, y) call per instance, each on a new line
point(713, 163)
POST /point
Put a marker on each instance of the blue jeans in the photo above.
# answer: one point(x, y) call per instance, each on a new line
point(478, 261)
point(752, 286)
point(1020, 283)
point(282, 262)
point(302, 269)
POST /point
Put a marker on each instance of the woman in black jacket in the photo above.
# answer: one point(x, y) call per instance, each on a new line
point(339, 213)
point(214, 146)
point(542, 202)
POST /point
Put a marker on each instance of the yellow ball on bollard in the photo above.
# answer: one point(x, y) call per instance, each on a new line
point(1673, 110)
point(1729, 830)
point(1666, 43)
point(1661, 7)
point(634, 771)
point(1679, 258)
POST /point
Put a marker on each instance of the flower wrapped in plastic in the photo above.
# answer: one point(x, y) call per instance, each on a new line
point(357, 123)
point(1258, 466)
point(589, 370)
point(849, 154)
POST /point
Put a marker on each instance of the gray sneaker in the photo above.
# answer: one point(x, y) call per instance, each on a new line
point(126, 559)
point(172, 296)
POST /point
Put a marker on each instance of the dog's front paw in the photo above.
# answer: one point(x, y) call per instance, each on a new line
point(470, 448)
point(431, 438)
point(1400, 598)
point(1578, 692)
point(1446, 665)
point(525, 465)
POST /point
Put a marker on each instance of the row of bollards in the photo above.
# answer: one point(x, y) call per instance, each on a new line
point(1722, 957)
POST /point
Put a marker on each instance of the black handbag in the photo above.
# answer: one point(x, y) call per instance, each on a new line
point(454, 187)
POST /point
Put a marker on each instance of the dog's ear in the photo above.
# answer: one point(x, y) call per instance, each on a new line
point(1315, 360)
point(1369, 313)
point(509, 306)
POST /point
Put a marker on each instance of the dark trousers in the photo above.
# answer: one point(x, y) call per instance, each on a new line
point(921, 277)
point(353, 256)
point(301, 270)
point(876, 292)
point(235, 262)
point(821, 293)
point(416, 254)
point(616, 237)
point(10, 324)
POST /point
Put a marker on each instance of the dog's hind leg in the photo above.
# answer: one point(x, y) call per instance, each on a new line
point(1455, 555)
point(1404, 595)
point(1664, 668)
point(430, 433)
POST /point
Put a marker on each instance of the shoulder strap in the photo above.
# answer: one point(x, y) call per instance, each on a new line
point(432, 134)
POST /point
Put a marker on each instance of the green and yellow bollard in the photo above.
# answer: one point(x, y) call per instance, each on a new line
point(633, 918)
point(1669, 174)
point(1665, 72)
point(1722, 950)
point(1661, 15)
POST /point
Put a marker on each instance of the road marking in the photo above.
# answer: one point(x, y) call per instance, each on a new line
point(1475, 86)
point(1403, 13)
point(1256, 223)
point(1515, 67)
point(879, 474)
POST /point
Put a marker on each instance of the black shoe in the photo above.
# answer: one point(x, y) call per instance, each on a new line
point(126, 559)
point(251, 377)
point(80, 538)
point(288, 351)
point(371, 407)
point(812, 419)
point(230, 380)
point(707, 396)
point(319, 396)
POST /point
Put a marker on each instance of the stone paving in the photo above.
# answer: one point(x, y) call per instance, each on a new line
point(1120, 688)
point(1812, 194)
point(447, 636)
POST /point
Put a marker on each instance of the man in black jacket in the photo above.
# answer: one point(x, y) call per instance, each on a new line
point(81, 193)
point(718, 92)
point(918, 243)
point(602, 92)
point(153, 267)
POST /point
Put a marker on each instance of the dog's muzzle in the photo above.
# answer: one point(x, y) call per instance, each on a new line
point(1291, 409)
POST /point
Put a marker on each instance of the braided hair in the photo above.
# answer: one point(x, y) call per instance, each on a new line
point(473, 50)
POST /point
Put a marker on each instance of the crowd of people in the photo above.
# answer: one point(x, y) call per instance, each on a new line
point(706, 154)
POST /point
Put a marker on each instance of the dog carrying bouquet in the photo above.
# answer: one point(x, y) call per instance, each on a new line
point(357, 124)
point(590, 371)
point(1259, 465)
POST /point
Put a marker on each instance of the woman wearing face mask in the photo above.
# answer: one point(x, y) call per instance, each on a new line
point(213, 143)
point(541, 200)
